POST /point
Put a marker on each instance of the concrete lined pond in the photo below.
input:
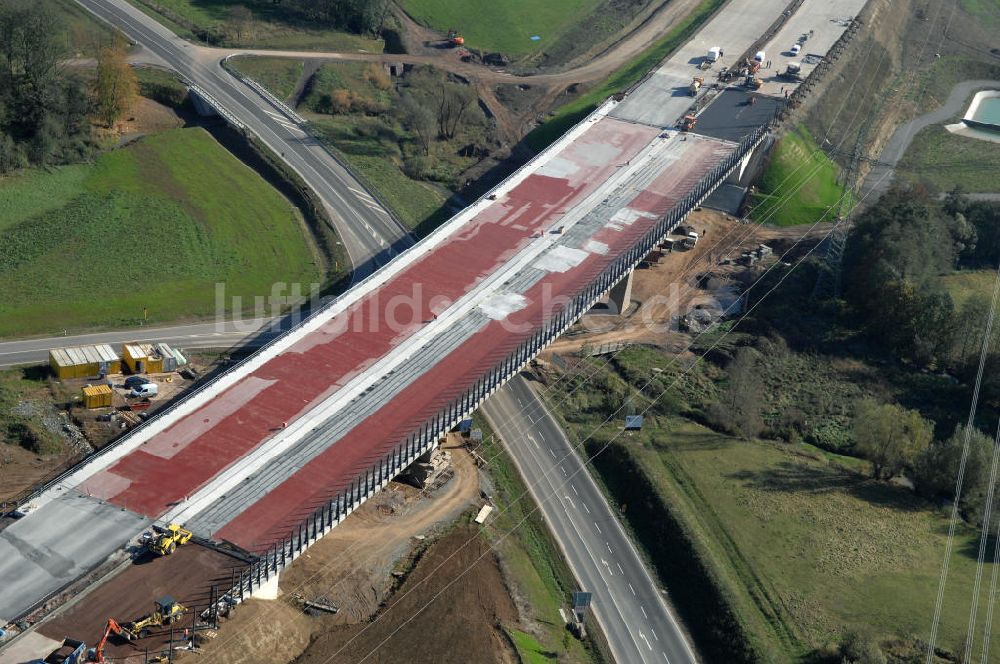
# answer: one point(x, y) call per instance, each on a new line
point(982, 119)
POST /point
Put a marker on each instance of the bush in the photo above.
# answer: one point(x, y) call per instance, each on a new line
point(858, 648)
point(378, 77)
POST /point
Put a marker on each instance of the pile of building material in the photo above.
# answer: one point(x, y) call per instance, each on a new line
point(426, 470)
point(749, 258)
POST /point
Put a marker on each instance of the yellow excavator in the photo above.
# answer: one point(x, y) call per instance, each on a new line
point(168, 539)
point(166, 612)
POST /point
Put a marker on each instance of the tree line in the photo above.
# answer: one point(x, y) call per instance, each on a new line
point(360, 16)
point(45, 107)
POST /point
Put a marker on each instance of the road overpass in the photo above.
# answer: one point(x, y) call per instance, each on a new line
point(282, 447)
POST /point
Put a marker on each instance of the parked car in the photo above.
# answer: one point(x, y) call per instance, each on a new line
point(796, 48)
point(145, 391)
point(133, 382)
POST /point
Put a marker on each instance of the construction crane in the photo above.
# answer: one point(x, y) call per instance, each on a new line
point(167, 540)
point(97, 654)
point(167, 611)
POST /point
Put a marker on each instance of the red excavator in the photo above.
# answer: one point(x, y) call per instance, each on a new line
point(112, 628)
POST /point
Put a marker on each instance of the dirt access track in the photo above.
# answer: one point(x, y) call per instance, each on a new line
point(586, 69)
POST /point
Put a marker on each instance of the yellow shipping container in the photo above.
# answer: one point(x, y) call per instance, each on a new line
point(142, 358)
point(97, 396)
point(84, 361)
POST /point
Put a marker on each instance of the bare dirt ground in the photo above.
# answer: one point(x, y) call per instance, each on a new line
point(451, 608)
point(21, 468)
point(671, 286)
point(352, 567)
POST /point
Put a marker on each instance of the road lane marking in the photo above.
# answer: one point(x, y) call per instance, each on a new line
point(623, 571)
point(598, 528)
point(608, 544)
point(573, 486)
point(653, 632)
point(552, 453)
point(646, 640)
point(633, 591)
point(643, 609)
point(586, 508)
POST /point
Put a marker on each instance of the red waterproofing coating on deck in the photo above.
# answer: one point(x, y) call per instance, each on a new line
point(275, 514)
point(175, 463)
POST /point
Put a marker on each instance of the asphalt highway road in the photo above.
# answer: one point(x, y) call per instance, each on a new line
point(370, 234)
point(626, 599)
point(199, 335)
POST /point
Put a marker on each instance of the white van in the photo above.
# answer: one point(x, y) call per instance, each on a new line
point(147, 390)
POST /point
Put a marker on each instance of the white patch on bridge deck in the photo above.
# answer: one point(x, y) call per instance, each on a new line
point(561, 259)
point(500, 305)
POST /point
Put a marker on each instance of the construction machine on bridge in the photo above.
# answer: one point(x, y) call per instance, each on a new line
point(168, 539)
point(696, 84)
point(689, 121)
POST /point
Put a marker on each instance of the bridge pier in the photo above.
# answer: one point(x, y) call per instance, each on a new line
point(268, 589)
point(620, 295)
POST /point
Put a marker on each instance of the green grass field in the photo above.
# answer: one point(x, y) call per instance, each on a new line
point(279, 75)
point(969, 283)
point(799, 185)
point(811, 547)
point(569, 114)
point(943, 160)
point(502, 26)
point(273, 26)
point(155, 225)
point(81, 35)
point(797, 542)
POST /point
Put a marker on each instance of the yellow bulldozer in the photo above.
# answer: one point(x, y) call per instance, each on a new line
point(168, 539)
point(166, 612)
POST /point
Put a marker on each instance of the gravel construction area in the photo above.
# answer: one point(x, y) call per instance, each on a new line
point(187, 575)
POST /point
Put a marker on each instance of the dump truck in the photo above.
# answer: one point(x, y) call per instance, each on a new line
point(168, 539)
point(70, 652)
point(166, 611)
point(696, 84)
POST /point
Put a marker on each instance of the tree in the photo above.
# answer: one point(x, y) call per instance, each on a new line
point(418, 119)
point(889, 436)
point(936, 471)
point(117, 87)
point(454, 100)
point(738, 410)
point(241, 22)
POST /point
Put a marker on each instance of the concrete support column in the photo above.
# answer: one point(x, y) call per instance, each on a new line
point(620, 296)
